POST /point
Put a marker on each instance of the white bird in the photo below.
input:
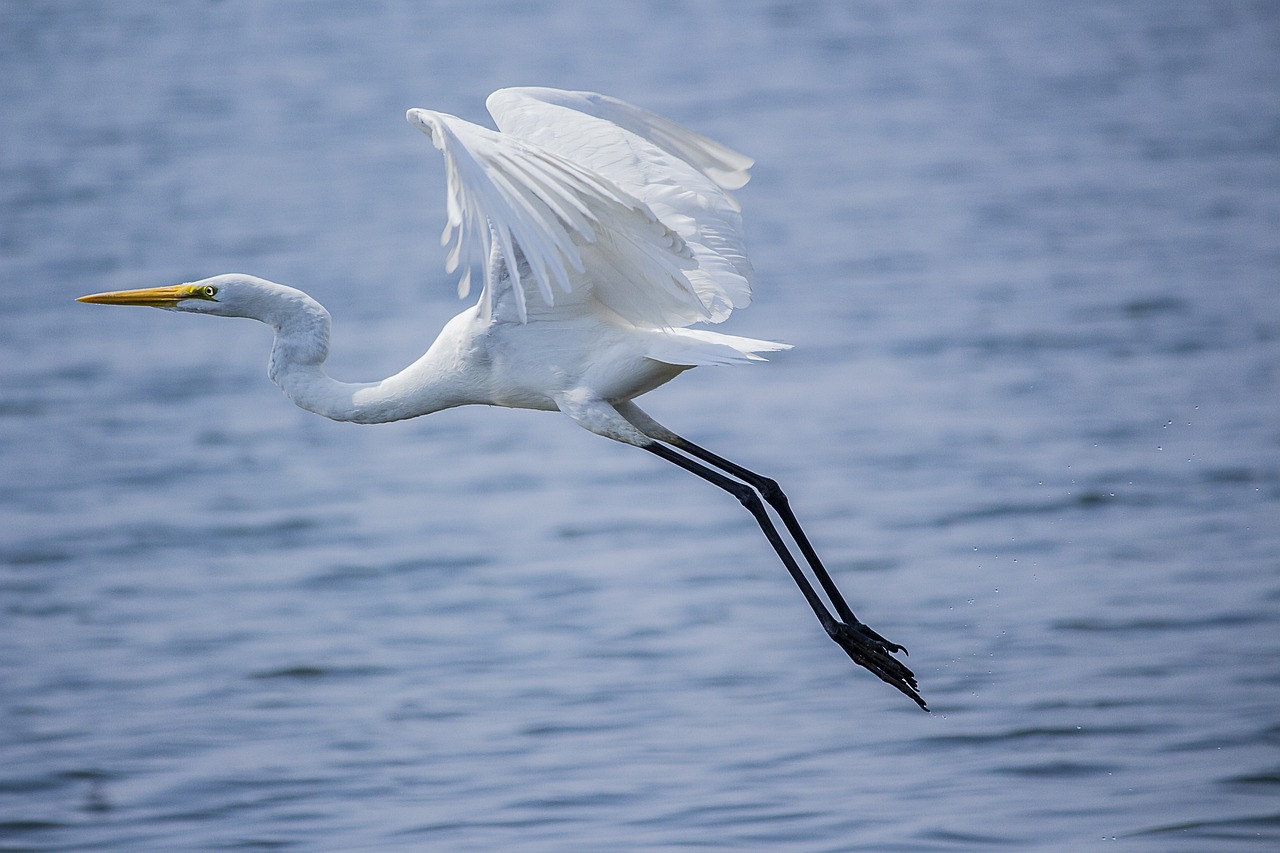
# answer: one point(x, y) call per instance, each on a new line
point(606, 232)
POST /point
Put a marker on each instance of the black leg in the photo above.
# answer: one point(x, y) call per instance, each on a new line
point(774, 496)
point(867, 648)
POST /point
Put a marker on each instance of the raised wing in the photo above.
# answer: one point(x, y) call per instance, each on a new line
point(682, 176)
point(580, 203)
point(530, 204)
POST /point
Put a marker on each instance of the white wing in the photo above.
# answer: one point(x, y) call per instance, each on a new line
point(681, 175)
point(573, 223)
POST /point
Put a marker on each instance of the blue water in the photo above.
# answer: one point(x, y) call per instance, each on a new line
point(1028, 253)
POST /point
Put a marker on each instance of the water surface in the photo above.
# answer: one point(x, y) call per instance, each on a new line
point(1028, 256)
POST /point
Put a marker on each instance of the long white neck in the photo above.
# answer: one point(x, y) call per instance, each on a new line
point(432, 383)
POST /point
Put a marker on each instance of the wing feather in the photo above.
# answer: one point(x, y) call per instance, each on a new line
point(682, 176)
point(726, 167)
point(512, 196)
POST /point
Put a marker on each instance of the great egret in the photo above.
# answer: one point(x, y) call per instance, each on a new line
point(607, 231)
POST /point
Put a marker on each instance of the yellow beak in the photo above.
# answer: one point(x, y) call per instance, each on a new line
point(155, 297)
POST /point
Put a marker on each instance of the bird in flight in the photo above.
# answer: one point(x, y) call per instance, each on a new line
point(605, 232)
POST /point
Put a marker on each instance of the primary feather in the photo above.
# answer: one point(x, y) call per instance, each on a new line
point(681, 175)
point(588, 195)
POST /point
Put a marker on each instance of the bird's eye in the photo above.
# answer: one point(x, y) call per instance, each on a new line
point(209, 291)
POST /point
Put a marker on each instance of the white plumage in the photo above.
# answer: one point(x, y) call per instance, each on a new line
point(605, 231)
point(600, 198)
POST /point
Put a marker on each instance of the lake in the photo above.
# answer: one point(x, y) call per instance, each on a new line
point(1029, 258)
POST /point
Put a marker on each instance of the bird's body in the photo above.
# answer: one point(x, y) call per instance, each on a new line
point(607, 231)
point(474, 360)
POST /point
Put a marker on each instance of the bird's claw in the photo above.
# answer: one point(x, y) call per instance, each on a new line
point(873, 652)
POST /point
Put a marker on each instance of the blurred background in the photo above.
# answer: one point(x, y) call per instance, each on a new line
point(1027, 253)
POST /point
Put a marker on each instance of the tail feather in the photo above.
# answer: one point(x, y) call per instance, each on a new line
point(699, 347)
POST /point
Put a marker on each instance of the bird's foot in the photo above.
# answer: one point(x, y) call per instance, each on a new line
point(873, 652)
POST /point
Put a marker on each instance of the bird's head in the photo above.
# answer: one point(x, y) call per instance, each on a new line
point(230, 295)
